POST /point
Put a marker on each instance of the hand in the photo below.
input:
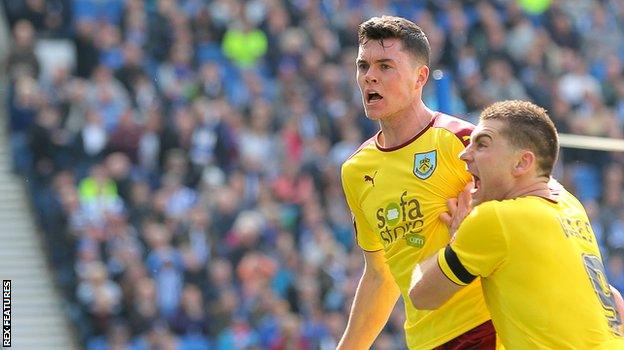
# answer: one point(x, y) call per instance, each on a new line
point(458, 209)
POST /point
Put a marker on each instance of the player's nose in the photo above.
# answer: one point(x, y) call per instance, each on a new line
point(370, 77)
point(465, 155)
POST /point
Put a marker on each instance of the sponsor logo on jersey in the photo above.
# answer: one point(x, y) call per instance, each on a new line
point(402, 219)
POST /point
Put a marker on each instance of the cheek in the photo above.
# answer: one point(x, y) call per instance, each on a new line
point(407, 88)
point(359, 79)
point(398, 92)
point(496, 172)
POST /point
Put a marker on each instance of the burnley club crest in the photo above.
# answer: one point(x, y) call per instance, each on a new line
point(425, 164)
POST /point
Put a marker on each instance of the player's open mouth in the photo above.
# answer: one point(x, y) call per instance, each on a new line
point(477, 184)
point(372, 97)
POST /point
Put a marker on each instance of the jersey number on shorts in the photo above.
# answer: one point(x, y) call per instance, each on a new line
point(596, 272)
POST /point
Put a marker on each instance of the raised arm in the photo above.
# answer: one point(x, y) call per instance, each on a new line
point(374, 300)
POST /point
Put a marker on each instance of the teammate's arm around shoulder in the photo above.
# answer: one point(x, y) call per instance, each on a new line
point(374, 300)
point(430, 287)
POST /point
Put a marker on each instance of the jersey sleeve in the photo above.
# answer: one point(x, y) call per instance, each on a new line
point(364, 235)
point(459, 167)
point(458, 137)
point(460, 128)
point(478, 247)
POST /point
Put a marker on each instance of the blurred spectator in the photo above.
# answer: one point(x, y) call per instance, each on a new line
point(25, 100)
point(191, 317)
point(92, 139)
point(100, 295)
point(22, 59)
point(49, 143)
point(117, 337)
point(87, 55)
point(99, 196)
point(166, 266)
point(562, 30)
point(108, 97)
point(142, 306)
point(576, 83)
point(126, 136)
point(131, 69)
point(243, 43)
point(176, 77)
point(500, 83)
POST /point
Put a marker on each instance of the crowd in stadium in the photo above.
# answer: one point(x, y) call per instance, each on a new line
point(183, 156)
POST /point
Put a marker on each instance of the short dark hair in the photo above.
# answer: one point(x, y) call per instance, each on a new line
point(527, 126)
point(411, 36)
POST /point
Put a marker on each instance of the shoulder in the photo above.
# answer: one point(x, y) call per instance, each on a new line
point(482, 224)
point(515, 209)
point(458, 127)
point(486, 210)
point(358, 152)
point(563, 194)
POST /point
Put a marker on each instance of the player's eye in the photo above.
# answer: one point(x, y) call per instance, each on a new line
point(385, 66)
point(362, 66)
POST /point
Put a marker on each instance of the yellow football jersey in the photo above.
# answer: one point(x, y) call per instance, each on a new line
point(542, 273)
point(396, 196)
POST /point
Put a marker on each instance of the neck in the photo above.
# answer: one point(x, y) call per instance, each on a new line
point(398, 129)
point(534, 186)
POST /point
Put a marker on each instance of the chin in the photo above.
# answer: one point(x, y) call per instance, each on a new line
point(373, 115)
point(377, 114)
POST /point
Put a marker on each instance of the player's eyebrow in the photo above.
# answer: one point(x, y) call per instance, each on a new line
point(480, 136)
point(381, 60)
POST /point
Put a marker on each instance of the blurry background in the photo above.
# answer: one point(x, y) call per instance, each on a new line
point(172, 180)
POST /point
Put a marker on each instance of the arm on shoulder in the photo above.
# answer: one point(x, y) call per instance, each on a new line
point(430, 287)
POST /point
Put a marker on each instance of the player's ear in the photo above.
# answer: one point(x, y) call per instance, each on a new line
point(422, 74)
point(525, 162)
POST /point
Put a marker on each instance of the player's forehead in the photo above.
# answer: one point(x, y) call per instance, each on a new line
point(371, 50)
point(489, 128)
